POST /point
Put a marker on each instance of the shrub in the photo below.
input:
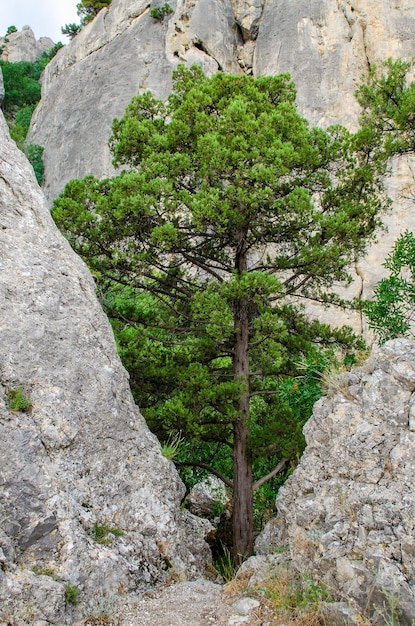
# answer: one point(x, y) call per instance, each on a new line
point(158, 13)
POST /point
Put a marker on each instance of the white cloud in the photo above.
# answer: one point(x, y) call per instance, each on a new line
point(45, 17)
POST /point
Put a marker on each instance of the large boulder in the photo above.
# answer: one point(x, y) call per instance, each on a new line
point(347, 512)
point(87, 499)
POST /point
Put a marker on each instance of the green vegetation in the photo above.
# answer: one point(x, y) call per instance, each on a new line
point(71, 593)
point(9, 31)
point(224, 565)
point(18, 400)
point(171, 447)
point(22, 93)
point(100, 533)
point(158, 13)
point(388, 100)
point(230, 213)
point(296, 599)
point(71, 30)
point(392, 312)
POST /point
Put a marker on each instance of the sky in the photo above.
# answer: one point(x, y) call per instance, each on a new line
point(45, 17)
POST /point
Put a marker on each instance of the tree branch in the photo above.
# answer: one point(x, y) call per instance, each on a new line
point(274, 472)
point(210, 469)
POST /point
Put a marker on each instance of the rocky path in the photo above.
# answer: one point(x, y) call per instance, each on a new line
point(196, 603)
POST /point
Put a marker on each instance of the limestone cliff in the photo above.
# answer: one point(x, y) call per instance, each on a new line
point(81, 459)
point(347, 512)
point(326, 46)
point(23, 46)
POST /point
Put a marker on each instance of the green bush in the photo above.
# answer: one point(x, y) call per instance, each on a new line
point(158, 13)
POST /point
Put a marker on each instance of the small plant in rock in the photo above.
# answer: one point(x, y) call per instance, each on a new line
point(71, 593)
point(159, 13)
point(18, 400)
point(101, 533)
point(171, 448)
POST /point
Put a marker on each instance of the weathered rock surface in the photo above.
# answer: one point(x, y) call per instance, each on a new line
point(347, 512)
point(208, 498)
point(82, 455)
point(23, 46)
point(327, 47)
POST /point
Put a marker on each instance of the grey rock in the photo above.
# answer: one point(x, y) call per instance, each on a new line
point(347, 510)
point(122, 52)
point(208, 498)
point(340, 614)
point(82, 454)
point(23, 46)
point(244, 606)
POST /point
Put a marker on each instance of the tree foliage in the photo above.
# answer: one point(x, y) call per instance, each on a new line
point(231, 212)
point(21, 85)
point(71, 30)
point(22, 93)
point(392, 312)
point(388, 101)
point(88, 9)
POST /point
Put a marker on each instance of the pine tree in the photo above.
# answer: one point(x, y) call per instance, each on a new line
point(231, 212)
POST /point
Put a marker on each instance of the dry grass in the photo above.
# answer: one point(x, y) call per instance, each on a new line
point(284, 598)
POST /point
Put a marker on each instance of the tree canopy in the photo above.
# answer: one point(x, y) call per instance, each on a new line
point(231, 212)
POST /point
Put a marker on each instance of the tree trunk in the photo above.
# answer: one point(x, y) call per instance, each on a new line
point(242, 511)
point(242, 467)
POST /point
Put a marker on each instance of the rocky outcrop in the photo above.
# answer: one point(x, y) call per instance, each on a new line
point(87, 499)
point(23, 46)
point(327, 47)
point(347, 512)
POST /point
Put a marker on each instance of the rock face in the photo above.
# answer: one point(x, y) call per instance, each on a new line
point(347, 512)
point(23, 46)
point(208, 498)
point(80, 460)
point(1, 88)
point(326, 47)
